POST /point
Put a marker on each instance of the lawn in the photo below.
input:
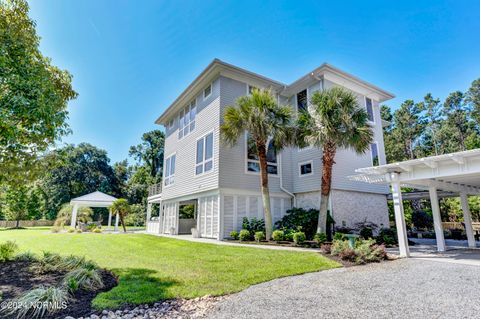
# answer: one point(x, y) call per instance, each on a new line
point(152, 268)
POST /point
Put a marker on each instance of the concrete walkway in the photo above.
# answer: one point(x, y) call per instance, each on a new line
point(229, 243)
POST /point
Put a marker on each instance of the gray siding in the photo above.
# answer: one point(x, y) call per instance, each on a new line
point(206, 120)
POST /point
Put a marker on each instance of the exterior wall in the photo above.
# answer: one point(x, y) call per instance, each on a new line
point(206, 120)
point(354, 207)
point(308, 200)
point(236, 206)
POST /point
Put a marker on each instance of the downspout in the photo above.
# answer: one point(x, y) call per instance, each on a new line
point(281, 183)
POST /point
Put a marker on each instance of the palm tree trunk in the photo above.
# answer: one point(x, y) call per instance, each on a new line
point(123, 223)
point(262, 156)
point(328, 159)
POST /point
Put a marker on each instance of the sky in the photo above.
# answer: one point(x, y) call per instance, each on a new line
point(131, 59)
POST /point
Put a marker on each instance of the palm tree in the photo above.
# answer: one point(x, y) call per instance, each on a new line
point(122, 208)
point(334, 120)
point(268, 125)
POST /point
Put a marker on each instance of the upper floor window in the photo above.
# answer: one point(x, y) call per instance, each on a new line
point(204, 158)
point(302, 101)
point(374, 152)
point(187, 119)
point(369, 107)
point(169, 178)
point(207, 92)
point(305, 168)
point(253, 163)
point(169, 125)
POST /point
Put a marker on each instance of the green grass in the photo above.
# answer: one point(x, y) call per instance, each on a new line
point(152, 268)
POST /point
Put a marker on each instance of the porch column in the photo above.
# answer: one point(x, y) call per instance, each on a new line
point(160, 217)
point(116, 222)
point(109, 219)
point(467, 219)
point(437, 218)
point(399, 217)
point(73, 221)
point(149, 211)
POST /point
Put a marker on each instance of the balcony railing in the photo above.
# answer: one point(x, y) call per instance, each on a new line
point(155, 189)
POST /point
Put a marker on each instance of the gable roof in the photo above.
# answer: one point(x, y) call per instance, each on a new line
point(327, 71)
point(95, 197)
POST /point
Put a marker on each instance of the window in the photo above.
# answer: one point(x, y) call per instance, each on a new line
point(187, 119)
point(369, 107)
point(169, 125)
point(306, 168)
point(207, 92)
point(302, 101)
point(253, 164)
point(204, 159)
point(374, 151)
point(169, 170)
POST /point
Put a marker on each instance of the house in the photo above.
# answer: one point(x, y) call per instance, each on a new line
point(223, 183)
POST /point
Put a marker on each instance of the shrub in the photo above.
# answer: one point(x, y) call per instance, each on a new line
point(39, 302)
point(234, 234)
point(71, 230)
point(366, 229)
point(71, 284)
point(55, 229)
point(91, 227)
point(97, 230)
point(422, 220)
point(8, 250)
point(73, 262)
point(253, 225)
point(288, 234)
point(387, 236)
point(244, 235)
point(299, 238)
point(86, 278)
point(78, 230)
point(366, 232)
point(320, 238)
point(338, 236)
point(368, 251)
point(259, 236)
point(326, 248)
point(26, 256)
point(338, 246)
point(277, 235)
point(295, 217)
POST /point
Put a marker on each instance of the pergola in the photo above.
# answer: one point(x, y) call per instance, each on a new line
point(95, 199)
point(454, 173)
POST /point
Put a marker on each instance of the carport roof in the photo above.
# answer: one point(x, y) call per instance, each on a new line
point(454, 172)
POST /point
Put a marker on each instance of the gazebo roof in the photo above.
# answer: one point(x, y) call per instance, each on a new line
point(95, 199)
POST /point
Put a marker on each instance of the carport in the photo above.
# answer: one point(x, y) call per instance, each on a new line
point(457, 173)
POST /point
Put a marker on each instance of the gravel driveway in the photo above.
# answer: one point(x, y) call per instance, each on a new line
point(398, 289)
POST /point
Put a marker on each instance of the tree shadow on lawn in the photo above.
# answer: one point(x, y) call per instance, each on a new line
point(135, 286)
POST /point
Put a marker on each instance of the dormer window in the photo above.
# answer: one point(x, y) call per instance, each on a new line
point(207, 92)
point(186, 122)
point(302, 101)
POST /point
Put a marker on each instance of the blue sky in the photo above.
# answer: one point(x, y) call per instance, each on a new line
point(131, 59)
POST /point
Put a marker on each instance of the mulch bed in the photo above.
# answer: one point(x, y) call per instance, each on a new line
point(17, 277)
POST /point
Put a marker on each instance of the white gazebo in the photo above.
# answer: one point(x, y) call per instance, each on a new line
point(95, 199)
point(457, 173)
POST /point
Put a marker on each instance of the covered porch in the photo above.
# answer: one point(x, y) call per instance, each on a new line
point(454, 174)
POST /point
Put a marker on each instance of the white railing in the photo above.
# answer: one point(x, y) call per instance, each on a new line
point(154, 189)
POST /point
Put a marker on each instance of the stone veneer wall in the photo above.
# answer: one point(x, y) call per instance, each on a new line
point(354, 207)
point(350, 207)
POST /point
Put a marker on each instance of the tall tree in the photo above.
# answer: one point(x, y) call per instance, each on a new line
point(122, 208)
point(456, 111)
point(150, 152)
point(334, 120)
point(473, 98)
point(266, 123)
point(33, 94)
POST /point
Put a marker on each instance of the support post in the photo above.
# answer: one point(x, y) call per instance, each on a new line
point(399, 217)
point(160, 217)
point(73, 221)
point(437, 218)
point(149, 211)
point(109, 219)
point(467, 219)
point(116, 222)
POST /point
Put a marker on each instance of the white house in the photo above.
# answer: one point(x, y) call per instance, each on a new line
point(223, 183)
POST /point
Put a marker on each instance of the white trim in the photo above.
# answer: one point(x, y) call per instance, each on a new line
point(246, 192)
point(300, 168)
point(204, 161)
point(307, 148)
point(211, 90)
point(257, 161)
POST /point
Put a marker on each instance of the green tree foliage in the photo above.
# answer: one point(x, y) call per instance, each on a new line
point(84, 215)
point(73, 171)
point(266, 123)
point(33, 94)
point(150, 153)
point(123, 209)
point(334, 120)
